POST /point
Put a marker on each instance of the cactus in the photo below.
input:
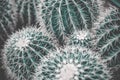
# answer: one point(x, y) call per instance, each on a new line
point(72, 64)
point(24, 50)
point(82, 38)
point(7, 22)
point(63, 17)
point(116, 2)
point(109, 39)
point(27, 12)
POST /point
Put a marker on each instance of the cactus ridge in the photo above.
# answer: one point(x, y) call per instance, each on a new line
point(27, 11)
point(63, 17)
point(109, 38)
point(73, 64)
point(25, 49)
point(6, 19)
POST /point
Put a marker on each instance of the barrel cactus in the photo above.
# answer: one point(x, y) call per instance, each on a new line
point(7, 21)
point(63, 17)
point(27, 11)
point(108, 36)
point(72, 64)
point(24, 50)
point(82, 38)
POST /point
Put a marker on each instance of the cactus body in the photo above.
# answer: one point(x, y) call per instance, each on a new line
point(27, 11)
point(109, 38)
point(24, 50)
point(72, 64)
point(7, 22)
point(116, 2)
point(82, 38)
point(63, 17)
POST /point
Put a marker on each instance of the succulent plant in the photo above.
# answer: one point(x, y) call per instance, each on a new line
point(72, 64)
point(27, 11)
point(63, 17)
point(82, 38)
point(116, 2)
point(7, 22)
point(108, 36)
point(24, 50)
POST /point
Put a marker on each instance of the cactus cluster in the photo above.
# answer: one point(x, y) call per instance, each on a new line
point(74, 64)
point(25, 49)
point(77, 39)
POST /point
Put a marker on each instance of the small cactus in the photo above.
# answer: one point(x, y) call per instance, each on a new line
point(82, 38)
point(24, 50)
point(72, 64)
point(108, 36)
point(63, 17)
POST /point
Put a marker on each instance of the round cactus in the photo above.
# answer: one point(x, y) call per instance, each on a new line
point(72, 64)
point(82, 38)
point(63, 17)
point(24, 50)
point(108, 36)
point(27, 11)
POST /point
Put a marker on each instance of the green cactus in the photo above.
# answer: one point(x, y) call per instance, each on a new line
point(116, 2)
point(24, 50)
point(7, 22)
point(109, 39)
point(63, 17)
point(72, 64)
point(27, 11)
point(82, 38)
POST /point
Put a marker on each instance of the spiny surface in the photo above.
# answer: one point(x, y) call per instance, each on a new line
point(6, 19)
point(82, 38)
point(73, 64)
point(109, 38)
point(27, 11)
point(24, 50)
point(63, 17)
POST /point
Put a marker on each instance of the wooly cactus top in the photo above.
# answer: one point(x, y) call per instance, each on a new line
point(82, 38)
point(72, 64)
point(25, 49)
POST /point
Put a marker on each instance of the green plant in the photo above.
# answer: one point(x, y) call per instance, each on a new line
point(82, 38)
point(63, 17)
point(116, 2)
point(27, 11)
point(108, 36)
point(72, 63)
point(25, 49)
point(7, 22)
